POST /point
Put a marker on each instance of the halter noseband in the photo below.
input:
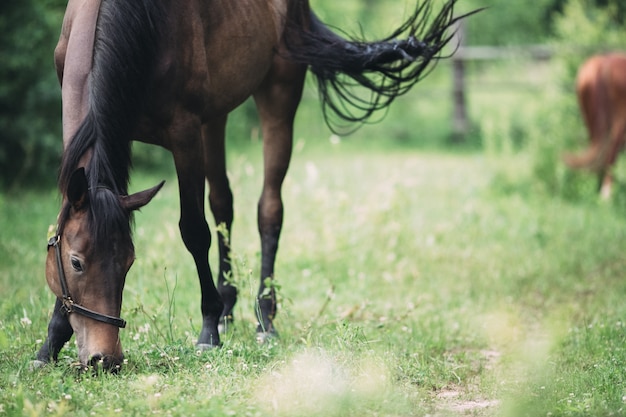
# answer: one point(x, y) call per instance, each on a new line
point(69, 306)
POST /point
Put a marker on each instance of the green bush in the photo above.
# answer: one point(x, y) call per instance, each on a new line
point(30, 111)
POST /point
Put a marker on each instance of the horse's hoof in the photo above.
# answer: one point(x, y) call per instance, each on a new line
point(37, 364)
point(206, 346)
point(266, 337)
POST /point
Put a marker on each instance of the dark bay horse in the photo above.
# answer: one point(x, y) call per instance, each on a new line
point(601, 91)
point(168, 72)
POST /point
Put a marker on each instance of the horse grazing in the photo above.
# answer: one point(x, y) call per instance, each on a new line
point(601, 90)
point(168, 72)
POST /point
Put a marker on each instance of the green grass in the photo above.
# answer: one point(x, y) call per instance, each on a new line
point(412, 283)
point(414, 280)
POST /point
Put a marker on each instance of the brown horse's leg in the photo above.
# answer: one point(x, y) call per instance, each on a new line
point(221, 202)
point(194, 229)
point(277, 101)
point(59, 332)
point(605, 180)
point(617, 138)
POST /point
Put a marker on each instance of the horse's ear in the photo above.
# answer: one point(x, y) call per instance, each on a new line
point(77, 189)
point(140, 199)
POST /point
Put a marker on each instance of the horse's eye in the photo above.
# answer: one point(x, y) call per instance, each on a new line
point(76, 265)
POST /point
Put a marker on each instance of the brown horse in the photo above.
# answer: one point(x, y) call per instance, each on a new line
point(168, 72)
point(601, 90)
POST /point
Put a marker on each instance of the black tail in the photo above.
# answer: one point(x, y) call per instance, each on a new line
point(387, 68)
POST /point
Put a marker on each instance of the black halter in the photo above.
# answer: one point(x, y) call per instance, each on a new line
point(69, 306)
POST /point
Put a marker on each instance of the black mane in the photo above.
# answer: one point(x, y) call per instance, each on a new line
point(125, 52)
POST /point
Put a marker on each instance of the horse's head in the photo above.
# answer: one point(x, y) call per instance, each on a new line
point(87, 264)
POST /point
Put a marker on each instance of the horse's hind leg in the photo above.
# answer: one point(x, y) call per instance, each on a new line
point(277, 101)
point(221, 202)
point(189, 160)
point(617, 138)
point(605, 182)
point(59, 332)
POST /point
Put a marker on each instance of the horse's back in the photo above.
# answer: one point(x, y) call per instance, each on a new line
point(616, 80)
point(601, 89)
point(213, 56)
point(603, 71)
point(223, 49)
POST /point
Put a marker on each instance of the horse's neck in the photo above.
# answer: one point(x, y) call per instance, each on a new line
point(73, 58)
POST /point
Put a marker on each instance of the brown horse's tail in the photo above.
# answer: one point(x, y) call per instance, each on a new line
point(387, 68)
point(592, 159)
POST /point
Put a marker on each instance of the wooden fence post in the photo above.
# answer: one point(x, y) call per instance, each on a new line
point(460, 122)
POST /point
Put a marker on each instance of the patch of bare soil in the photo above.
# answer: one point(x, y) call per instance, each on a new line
point(456, 400)
point(452, 400)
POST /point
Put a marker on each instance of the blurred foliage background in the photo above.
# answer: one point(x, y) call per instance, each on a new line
point(30, 100)
point(543, 125)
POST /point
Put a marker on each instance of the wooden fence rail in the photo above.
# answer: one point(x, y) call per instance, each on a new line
point(465, 53)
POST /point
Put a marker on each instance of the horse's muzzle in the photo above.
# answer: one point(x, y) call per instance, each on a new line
point(104, 363)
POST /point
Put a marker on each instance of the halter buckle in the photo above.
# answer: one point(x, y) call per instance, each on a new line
point(53, 241)
point(67, 305)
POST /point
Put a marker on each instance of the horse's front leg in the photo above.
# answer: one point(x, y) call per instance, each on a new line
point(194, 230)
point(59, 332)
point(221, 202)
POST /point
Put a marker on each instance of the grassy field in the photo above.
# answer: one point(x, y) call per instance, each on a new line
point(411, 283)
point(413, 280)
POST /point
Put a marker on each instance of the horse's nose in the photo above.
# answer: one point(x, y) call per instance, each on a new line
point(106, 363)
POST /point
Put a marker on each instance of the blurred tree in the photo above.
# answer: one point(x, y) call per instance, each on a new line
point(504, 22)
point(507, 22)
point(616, 8)
point(29, 94)
point(30, 111)
point(586, 27)
point(514, 22)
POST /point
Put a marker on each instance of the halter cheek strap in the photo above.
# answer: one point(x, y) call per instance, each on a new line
point(69, 306)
